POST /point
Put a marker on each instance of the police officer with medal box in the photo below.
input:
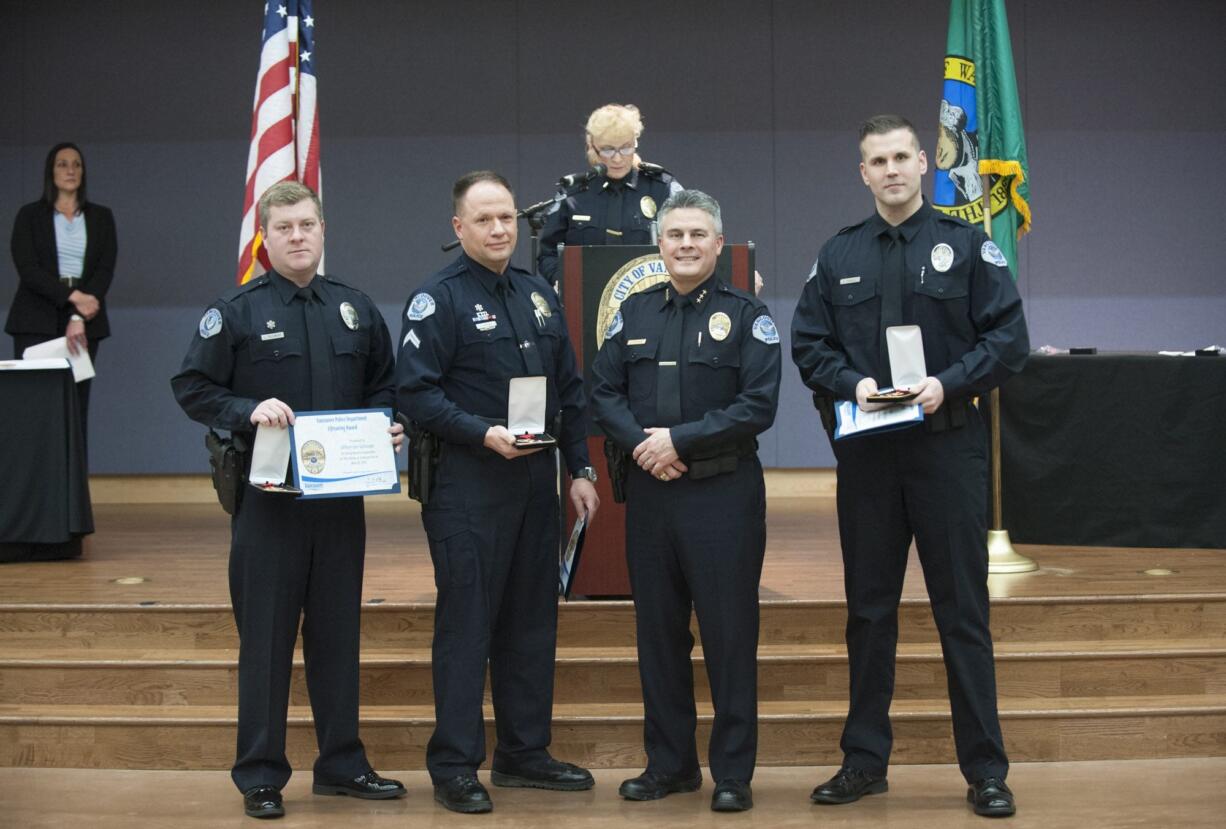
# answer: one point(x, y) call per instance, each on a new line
point(293, 340)
point(492, 514)
point(616, 206)
point(688, 376)
point(911, 264)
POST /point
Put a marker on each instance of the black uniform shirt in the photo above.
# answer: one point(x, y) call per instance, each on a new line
point(957, 287)
point(458, 353)
point(252, 345)
point(729, 368)
point(585, 214)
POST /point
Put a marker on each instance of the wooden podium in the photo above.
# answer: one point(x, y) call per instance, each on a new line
point(594, 282)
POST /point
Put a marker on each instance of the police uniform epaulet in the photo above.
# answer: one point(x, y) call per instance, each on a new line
point(942, 216)
point(659, 286)
point(850, 228)
point(235, 292)
point(741, 294)
point(339, 283)
point(450, 272)
point(654, 171)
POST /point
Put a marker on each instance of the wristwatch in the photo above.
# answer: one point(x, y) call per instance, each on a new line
point(586, 472)
point(77, 318)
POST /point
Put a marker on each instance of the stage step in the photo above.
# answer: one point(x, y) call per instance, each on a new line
point(609, 735)
point(1025, 670)
point(45, 627)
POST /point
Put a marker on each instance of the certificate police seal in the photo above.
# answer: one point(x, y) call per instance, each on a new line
point(542, 306)
point(719, 326)
point(942, 257)
point(648, 205)
point(312, 455)
point(349, 315)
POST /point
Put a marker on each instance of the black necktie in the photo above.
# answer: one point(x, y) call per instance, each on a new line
point(523, 327)
point(893, 269)
point(320, 347)
point(668, 371)
point(614, 212)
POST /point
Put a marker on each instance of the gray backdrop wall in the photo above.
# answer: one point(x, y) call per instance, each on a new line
point(755, 102)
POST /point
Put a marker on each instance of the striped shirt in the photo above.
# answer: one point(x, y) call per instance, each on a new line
point(70, 244)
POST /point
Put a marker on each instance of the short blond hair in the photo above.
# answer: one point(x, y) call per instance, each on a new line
point(287, 194)
point(617, 119)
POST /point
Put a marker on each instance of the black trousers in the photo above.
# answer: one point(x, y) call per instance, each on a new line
point(698, 545)
point(291, 558)
point(930, 486)
point(23, 341)
point(492, 526)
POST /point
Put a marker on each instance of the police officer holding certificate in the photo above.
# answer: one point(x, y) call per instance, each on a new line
point(492, 513)
point(293, 340)
point(688, 376)
point(910, 264)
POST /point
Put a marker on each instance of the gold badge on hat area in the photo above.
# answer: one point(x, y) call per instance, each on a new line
point(719, 326)
point(350, 315)
point(648, 205)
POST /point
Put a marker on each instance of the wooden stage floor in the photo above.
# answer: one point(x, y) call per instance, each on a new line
point(180, 551)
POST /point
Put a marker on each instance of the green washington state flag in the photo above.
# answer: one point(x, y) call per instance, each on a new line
point(981, 126)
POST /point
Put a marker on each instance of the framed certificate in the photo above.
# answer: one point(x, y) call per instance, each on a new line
point(343, 453)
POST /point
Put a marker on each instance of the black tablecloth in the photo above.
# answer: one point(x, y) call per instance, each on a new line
point(1118, 450)
point(44, 488)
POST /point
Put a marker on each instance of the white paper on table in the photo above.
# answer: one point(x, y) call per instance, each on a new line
point(269, 456)
point(34, 365)
point(906, 347)
point(526, 406)
point(82, 366)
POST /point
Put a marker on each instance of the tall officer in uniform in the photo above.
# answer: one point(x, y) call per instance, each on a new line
point(688, 376)
point(911, 264)
point(492, 514)
point(293, 340)
point(616, 208)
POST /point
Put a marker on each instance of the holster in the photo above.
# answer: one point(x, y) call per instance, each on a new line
point(227, 460)
point(618, 461)
point(423, 452)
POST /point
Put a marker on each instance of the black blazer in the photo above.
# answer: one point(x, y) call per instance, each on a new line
point(41, 305)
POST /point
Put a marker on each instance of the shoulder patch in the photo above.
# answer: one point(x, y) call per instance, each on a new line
point(210, 323)
point(421, 307)
point(993, 255)
point(813, 272)
point(615, 325)
point(764, 329)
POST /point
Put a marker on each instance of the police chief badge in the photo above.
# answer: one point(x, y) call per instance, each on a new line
point(719, 326)
point(648, 205)
point(349, 315)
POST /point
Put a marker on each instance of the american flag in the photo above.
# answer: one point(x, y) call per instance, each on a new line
point(284, 121)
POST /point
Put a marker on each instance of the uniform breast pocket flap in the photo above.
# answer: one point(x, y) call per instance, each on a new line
point(716, 358)
point(847, 292)
point(352, 345)
point(276, 350)
point(943, 286)
point(641, 367)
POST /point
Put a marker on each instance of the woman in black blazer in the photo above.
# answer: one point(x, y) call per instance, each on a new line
point(49, 303)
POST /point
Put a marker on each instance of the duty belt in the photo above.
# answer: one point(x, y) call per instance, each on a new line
point(726, 461)
point(70, 281)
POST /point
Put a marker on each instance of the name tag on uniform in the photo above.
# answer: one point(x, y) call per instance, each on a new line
point(276, 335)
point(639, 341)
point(579, 218)
point(849, 280)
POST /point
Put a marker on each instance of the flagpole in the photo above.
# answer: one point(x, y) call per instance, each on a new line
point(1002, 558)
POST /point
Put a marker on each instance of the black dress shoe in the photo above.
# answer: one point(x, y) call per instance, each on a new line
point(369, 786)
point(731, 796)
point(990, 797)
point(652, 786)
point(544, 773)
point(848, 786)
point(463, 793)
point(263, 801)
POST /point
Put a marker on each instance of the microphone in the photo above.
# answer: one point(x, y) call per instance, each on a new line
point(582, 178)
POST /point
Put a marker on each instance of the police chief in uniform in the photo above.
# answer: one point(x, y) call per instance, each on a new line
point(293, 340)
point(911, 264)
point(688, 376)
point(492, 514)
point(616, 208)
